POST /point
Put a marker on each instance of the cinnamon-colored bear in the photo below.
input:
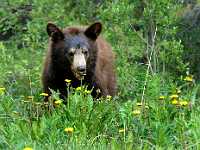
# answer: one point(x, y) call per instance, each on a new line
point(82, 56)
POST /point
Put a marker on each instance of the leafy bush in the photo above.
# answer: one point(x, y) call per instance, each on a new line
point(157, 104)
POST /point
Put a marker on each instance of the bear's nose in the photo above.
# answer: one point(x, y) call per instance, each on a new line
point(81, 69)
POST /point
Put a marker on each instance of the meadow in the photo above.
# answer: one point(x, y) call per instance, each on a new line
point(157, 105)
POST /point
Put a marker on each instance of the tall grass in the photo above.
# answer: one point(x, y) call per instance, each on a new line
point(151, 110)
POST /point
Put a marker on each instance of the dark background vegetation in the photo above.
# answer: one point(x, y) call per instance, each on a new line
point(156, 44)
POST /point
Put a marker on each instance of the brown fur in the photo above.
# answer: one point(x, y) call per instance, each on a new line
point(100, 69)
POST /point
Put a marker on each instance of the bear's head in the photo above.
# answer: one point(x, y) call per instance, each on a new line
point(74, 47)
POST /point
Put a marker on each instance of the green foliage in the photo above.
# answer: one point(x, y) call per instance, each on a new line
point(164, 50)
point(188, 32)
point(149, 64)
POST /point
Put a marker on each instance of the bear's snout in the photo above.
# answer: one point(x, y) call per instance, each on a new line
point(81, 70)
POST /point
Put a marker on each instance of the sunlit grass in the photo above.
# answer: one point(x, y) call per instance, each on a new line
point(165, 116)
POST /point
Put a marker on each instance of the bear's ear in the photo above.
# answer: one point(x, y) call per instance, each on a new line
point(54, 32)
point(93, 31)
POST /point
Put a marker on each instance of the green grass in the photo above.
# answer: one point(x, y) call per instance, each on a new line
point(102, 124)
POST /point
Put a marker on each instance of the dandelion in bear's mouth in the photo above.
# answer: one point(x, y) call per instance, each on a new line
point(69, 130)
point(44, 94)
point(28, 148)
point(68, 81)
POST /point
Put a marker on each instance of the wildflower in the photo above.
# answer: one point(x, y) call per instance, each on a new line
point(2, 90)
point(69, 130)
point(139, 104)
point(161, 97)
point(174, 96)
point(178, 91)
point(108, 97)
point(121, 130)
point(183, 103)
point(68, 81)
point(136, 112)
point(188, 78)
point(87, 91)
point(58, 102)
point(174, 102)
point(78, 88)
point(30, 97)
point(38, 103)
point(44, 94)
point(28, 148)
point(26, 101)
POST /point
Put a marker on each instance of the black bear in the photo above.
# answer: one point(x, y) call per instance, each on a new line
point(80, 55)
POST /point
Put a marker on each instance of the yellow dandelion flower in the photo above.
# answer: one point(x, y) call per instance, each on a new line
point(28, 148)
point(161, 97)
point(78, 88)
point(122, 130)
point(174, 96)
point(26, 101)
point(30, 97)
point(183, 103)
point(2, 89)
point(87, 91)
point(174, 102)
point(108, 97)
point(44, 94)
point(139, 104)
point(68, 81)
point(136, 112)
point(178, 91)
point(69, 130)
point(38, 103)
point(188, 78)
point(58, 102)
